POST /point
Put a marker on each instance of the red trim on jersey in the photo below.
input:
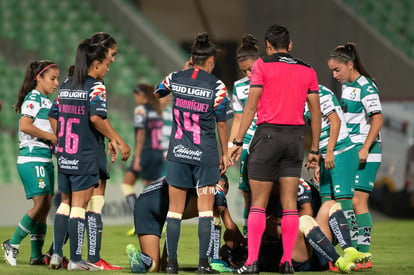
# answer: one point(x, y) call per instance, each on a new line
point(195, 73)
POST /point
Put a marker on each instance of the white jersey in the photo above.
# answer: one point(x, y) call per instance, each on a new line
point(36, 106)
point(360, 100)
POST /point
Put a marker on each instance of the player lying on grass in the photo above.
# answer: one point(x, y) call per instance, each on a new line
point(150, 214)
point(314, 247)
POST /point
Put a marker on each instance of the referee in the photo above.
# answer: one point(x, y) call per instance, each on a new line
point(279, 87)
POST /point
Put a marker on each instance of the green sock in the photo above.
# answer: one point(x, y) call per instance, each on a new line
point(352, 221)
point(245, 217)
point(364, 232)
point(24, 227)
point(37, 239)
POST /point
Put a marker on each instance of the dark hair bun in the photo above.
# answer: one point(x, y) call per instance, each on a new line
point(202, 38)
point(249, 41)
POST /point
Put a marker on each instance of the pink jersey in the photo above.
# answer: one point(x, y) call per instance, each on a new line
point(286, 82)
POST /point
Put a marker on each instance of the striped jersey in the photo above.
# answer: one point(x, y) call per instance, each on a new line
point(36, 106)
point(240, 94)
point(329, 104)
point(360, 100)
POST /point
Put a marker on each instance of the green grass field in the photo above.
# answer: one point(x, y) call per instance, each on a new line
point(392, 249)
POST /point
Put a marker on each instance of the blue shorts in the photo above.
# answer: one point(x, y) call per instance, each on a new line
point(151, 165)
point(150, 212)
point(315, 263)
point(103, 167)
point(184, 175)
point(72, 183)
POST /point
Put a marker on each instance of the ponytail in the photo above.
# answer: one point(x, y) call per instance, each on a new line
point(349, 52)
point(91, 49)
point(35, 69)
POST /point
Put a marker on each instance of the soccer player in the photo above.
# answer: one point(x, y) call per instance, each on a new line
point(339, 162)
point(247, 53)
point(200, 103)
point(34, 162)
point(319, 227)
point(279, 87)
point(82, 109)
point(363, 115)
point(148, 159)
point(150, 213)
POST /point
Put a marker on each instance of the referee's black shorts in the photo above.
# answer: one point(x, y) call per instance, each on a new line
point(276, 151)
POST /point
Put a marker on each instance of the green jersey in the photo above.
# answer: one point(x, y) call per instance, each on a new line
point(329, 104)
point(36, 106)
point(360, 100)
point(240, 94)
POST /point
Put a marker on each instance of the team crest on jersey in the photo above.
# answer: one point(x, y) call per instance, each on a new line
point(352, 94)
point(42, 184)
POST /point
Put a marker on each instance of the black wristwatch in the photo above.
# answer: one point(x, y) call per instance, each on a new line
point(314, 152)
point(237, 143)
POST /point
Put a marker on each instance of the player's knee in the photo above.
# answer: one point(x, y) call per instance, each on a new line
point(335, 207)
point(63, 209)
point(96, 204)
point(306, 223)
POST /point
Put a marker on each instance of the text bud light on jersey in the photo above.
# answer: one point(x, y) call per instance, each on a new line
point(195, 91)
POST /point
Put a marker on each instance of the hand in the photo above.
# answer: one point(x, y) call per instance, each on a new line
point(317, 174)
point(224, 163)
point(112, 148)
point(330, 160)
point(363, 155)
point(313, 161)
point(137, 164)
point(188, 65)
point(53, 139)
point(235, 152)
point(125, 150)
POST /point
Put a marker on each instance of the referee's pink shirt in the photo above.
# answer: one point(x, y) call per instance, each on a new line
point(286, 82)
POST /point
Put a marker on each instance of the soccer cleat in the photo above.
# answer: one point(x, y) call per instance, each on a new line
point(10, 253)
point(344, 265)
point(82, 266)
point(131, 232)
point(206, 270)
point(248, 269)
point(47, 258)
point(56, 261)
point(172, 267)
point(332, 267)
point(366, 265)
point(286, 268)
point(220, 266)
point(104, 265)
point(353, 255)
point(134, 258)
point(41, 260)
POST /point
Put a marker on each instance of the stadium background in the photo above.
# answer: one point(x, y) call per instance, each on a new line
point(154, 37)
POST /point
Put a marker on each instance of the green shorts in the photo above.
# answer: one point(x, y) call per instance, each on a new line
point(367, 172)
point(244, 180)
point(38, 178)
point(339, 182)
